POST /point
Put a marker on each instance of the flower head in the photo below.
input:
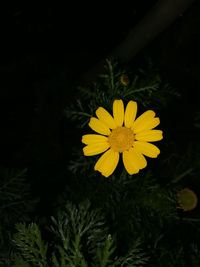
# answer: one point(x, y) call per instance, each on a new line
point(122, 134)
point(187, 199)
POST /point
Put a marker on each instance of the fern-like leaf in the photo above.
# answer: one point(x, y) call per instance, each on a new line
point(30, 244)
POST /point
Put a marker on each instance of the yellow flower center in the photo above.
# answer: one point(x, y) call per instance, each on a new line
point(121, 139)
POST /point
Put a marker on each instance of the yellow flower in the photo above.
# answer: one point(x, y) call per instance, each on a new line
point(122, 133)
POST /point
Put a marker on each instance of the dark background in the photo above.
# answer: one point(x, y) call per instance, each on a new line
point(49, 47)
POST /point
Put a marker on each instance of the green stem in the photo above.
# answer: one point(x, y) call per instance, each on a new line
point(141, 90)
point(182, 175)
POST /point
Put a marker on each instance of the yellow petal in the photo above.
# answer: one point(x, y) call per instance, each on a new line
point(99, 127)
point(106, 118)
point(130, 113)
point(129, 163)
point(147, 125)
point(143, 119)
point(147, 149)
point(149, 136)
point(107, 163)
point(138, 158)
point(95, 149)
point(93, 139)
point(118, 112)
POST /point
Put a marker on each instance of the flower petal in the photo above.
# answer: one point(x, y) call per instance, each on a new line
point(107, 163)
point(95, 149)
point(149, 135)
point(99, 127)
point(93, 139)
point(130, 113)
point(138, 158)
point(143, 119)
point(147, 149)
point(129, 163)
point(147, 125)
point(106, 118)
point(118, 112)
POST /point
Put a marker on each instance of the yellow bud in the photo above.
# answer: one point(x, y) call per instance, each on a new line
point(187, 199)
point(124, 79)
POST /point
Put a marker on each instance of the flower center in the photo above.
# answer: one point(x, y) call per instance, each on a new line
point(121, 139)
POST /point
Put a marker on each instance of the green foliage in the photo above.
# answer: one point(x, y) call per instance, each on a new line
point(14, 192)
point(15, 204)
point(19, 262)
point(80, 239)
point(104, 255)
point(144, 86)
point(135, 258)
point(75, 225)
point(30, 244)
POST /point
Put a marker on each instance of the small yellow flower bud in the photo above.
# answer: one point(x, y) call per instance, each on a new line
point(124, 79)
point(187, 199)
